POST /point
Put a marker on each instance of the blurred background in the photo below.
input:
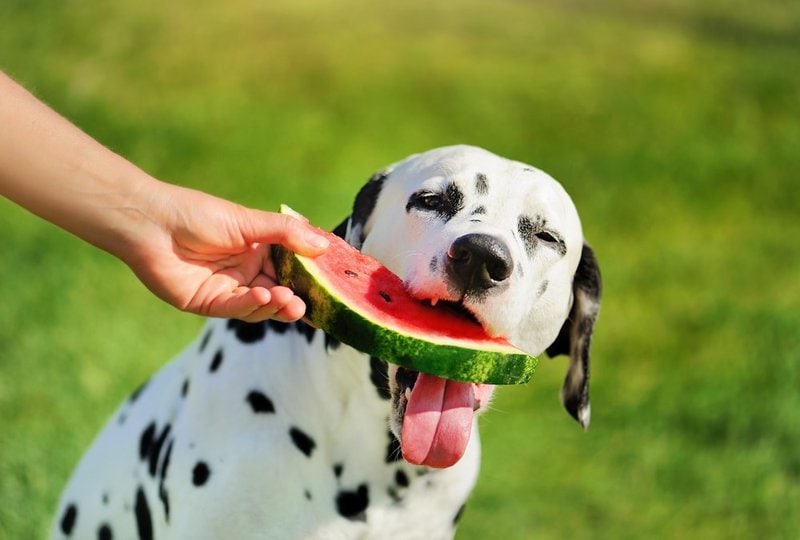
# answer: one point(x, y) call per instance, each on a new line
point(674, 125)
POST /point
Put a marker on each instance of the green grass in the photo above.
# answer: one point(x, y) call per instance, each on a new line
point(675, 125)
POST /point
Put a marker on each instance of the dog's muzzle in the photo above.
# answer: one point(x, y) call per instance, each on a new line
point(476, 263)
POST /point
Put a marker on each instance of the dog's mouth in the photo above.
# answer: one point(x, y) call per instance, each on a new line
point(455, 306)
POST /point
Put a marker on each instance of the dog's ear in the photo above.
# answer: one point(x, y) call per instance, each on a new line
point(352, 229)
point(575, 337)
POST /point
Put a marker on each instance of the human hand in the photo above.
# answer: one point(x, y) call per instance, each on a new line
point(211, 257)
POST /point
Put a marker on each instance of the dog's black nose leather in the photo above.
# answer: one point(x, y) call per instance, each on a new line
point(478, 262)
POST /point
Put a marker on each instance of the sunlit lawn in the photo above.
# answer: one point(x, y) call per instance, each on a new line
point(673, 124)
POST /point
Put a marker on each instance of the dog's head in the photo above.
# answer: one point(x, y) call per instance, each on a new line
point(497, 238)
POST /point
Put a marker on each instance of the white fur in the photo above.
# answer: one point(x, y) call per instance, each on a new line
point(261, 485)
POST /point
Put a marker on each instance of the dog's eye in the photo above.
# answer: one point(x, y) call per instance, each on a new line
point(545, 236)
point(425, 201)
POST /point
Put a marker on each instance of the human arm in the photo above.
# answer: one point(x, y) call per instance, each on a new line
point(199, 253)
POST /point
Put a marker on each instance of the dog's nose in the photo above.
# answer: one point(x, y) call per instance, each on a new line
point(477, 262)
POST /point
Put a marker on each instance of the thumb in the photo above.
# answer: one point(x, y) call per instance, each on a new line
point(295, 234)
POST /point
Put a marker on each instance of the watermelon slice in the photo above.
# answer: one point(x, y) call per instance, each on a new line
point(360, 302)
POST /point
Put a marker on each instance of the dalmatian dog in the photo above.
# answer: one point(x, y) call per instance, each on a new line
point(277, 430)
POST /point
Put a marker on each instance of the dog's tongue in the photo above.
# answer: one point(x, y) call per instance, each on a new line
point(437, 422)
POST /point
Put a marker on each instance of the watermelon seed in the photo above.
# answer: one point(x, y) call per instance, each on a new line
point(385, 296)
point(350, 273)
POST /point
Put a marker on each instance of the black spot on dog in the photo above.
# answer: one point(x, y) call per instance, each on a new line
point(367, 198)
point(459, 514)
point(162, 490)
point(146, 440)
point(453, 202)
point(216, 361)
point(302, 441)
point(68, 519)
point(527, 229)
point(393, 450)
point(200, 473)
point(248, 332)
point(338, 468)
point(154, 452)
point(401, 478)
point(353, 504)
point(479, 210)
point(185, 388)
point(204, 341)
point(543, 287)
point(104, 532)
point(307, 330)
point(434, 264)
point(379, 376)
point(481, 186)
point(136, 393)
point(308, 495)
point(331, 343)
point(259, 402)
point(105, 498)
point(279, 327)
point(144, 522)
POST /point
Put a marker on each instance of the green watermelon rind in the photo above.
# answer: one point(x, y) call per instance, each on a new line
point(331, 313)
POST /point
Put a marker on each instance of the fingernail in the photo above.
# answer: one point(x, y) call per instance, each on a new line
point(316, 241)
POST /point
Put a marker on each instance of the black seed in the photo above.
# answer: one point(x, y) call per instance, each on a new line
point(216, 361)
point(68, 519)
point(350, 273)
point(385, 296)
point(144, 523)
point(259, 402)
point(200, 474)
point(353, 504)
point(303, 442)
point(104, 532)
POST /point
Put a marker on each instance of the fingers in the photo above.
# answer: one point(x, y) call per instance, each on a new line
point(271, 228)
point(254, 305)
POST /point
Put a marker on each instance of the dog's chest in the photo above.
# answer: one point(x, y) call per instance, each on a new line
point(298, 428)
